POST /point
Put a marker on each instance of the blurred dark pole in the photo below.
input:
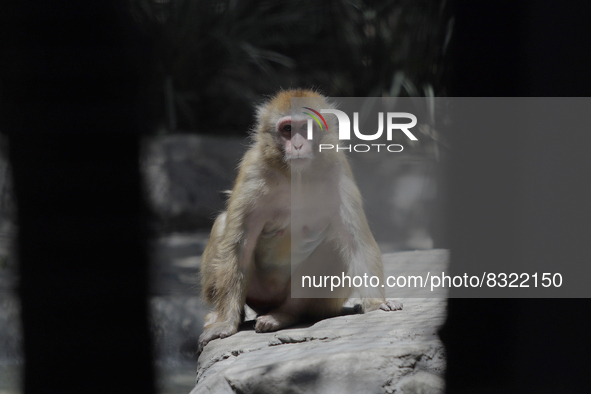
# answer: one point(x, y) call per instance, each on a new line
point(73, 84)
point(503, 210)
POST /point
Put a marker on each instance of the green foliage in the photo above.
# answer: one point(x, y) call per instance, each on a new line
point(223, 56)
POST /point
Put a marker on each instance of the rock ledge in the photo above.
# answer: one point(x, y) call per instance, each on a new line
point(377, 352)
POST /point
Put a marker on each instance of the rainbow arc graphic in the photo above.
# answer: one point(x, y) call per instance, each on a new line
point(315, 117)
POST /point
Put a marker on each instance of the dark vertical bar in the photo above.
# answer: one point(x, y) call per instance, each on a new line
point(72, 83)
point(507, 48)
point(486, 61)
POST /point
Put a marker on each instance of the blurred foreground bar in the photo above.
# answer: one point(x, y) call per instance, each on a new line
point(519, 197)
point(72, 76)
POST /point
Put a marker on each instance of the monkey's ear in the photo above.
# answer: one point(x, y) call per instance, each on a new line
point(261, 119)
point(259, 111)
point(262, 109)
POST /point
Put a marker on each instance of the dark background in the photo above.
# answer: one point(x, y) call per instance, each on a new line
point(82, 83)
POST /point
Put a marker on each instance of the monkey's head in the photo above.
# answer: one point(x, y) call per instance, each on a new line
point(282, 133)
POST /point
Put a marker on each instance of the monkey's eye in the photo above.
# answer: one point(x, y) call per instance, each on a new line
point(285, 131)
point(284, 128)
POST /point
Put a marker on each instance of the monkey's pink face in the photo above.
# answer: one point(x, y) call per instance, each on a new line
point(292, 135)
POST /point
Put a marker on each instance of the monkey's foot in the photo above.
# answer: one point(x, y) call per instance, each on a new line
point(372, 304)
point(391, 305)
point(216, 330)
point(274, 321)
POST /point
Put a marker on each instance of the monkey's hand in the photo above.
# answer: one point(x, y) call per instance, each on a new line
point(371, 304)
point(221, 329)
point(274, 321)
point(391, 305)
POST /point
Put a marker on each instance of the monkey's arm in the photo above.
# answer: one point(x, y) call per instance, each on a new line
point(358, 247)
point(231, 263)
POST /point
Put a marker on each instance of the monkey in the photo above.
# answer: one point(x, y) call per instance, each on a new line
point(291, 211)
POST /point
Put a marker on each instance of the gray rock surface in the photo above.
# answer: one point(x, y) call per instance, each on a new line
point(11, 360)
point(185, 176)
point(377, 352)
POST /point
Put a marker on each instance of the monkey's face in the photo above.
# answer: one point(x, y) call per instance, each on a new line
point(291, 135)
point(288, 137)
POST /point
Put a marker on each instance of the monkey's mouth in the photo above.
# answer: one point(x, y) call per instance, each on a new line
point(300, 159)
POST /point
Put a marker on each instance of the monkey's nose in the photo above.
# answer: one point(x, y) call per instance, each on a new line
point(298, 147)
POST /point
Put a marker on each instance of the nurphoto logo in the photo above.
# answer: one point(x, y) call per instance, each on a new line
point(344, 127)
